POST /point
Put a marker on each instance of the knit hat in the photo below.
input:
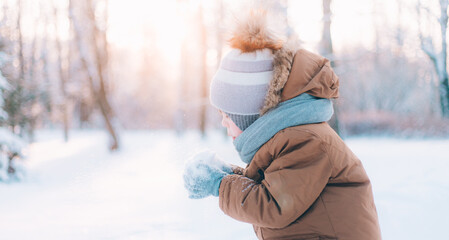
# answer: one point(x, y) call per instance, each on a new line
point(240, 85)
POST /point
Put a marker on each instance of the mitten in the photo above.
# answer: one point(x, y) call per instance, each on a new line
point(203, 174)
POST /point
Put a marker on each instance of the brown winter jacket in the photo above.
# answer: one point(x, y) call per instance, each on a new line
point(304, 183)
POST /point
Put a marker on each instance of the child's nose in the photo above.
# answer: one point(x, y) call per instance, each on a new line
point(223, 123)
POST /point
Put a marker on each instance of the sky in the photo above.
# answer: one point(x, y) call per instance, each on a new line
point(138, 24)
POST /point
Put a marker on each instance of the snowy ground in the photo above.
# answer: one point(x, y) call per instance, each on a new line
point(78, 190)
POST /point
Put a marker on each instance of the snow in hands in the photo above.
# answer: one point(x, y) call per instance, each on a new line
point(203, 174)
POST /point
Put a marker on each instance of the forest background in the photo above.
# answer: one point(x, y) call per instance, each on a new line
point(122, 65)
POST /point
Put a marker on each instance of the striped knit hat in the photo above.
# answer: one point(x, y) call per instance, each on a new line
point(240, 86)
point(241, 83)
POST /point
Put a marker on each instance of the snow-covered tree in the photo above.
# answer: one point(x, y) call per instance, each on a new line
point(4, 162)
point(10, 144)
point(438, 57)
point(3, 87)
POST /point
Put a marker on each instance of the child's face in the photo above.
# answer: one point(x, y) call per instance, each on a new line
point(233, 130)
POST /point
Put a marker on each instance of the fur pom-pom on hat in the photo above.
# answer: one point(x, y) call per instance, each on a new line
point(257, 30)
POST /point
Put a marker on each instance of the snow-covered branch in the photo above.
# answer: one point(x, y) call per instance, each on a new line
point(428, 47)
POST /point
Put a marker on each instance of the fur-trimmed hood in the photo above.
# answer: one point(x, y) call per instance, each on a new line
point(295, 70)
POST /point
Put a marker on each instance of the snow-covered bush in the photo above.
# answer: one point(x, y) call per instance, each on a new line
point(3, 86)
point(10, 152)
point(10, 144)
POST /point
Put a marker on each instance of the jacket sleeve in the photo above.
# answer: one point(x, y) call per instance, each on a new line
point(293, 181)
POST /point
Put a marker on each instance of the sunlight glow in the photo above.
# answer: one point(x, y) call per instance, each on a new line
point(134, 24)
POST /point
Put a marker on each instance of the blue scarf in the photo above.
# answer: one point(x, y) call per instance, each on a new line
point(303, 109)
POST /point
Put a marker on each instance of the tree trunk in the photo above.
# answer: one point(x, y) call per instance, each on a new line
point(184, 66)
point(326, 39)
point(20, 42)
point(101, 56)
point(327, 51)
point(444, 96)
point(17, 120)
point(219, 47)
point(99, 94)
point(204, 80)
point(179, 120)
point(444, 88)
point(219, 31)
point(62, 77)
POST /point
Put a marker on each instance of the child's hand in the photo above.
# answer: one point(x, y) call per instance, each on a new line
point(237, 169)
point(203, 174)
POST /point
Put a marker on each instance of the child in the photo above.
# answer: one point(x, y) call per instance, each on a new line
point(301, 180)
